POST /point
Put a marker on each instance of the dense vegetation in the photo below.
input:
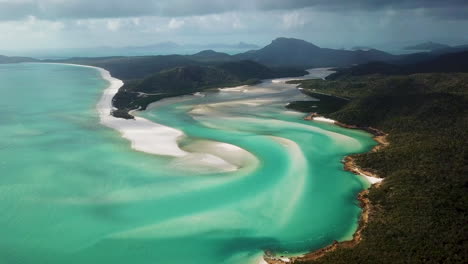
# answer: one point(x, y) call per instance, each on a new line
point(325, 104)
point(419, 213)
point(416, 63)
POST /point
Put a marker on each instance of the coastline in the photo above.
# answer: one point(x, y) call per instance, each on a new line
point(154, 138)
point(104, 108)
point(162, 141)
point(349, 164)
point(142, 134)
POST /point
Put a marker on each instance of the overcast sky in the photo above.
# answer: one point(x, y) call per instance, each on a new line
point(27, 24)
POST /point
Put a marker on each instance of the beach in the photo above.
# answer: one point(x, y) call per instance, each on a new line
point(157, 139)
point(144, 135)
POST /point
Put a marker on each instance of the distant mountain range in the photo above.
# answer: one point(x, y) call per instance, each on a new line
point(361, 48)
point(169, 45)
point(162, 48)
point(280, 53)
point(450, 62)
point(428, 46)
point(6, 59)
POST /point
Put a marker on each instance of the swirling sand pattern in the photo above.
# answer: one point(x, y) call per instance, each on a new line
point(237, 174)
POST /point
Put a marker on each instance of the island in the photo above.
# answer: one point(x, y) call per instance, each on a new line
point(414, 105)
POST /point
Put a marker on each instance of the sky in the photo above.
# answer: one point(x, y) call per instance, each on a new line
point(54, 24)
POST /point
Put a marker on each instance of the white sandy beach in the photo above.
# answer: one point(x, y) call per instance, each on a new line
point(372, 180)
point(144, 135)
point(324, 119)
point(154, 138)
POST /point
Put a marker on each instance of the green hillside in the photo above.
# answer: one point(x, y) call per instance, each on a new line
point(419, 213)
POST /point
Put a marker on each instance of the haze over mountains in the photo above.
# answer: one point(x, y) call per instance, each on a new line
point(428, 46)
point(281, 52)
point(160, 48)
point(175, 48)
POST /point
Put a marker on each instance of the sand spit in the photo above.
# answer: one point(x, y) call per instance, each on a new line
point(143, 134)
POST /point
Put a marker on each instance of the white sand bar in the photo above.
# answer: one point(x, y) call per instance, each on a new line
point(143, 134)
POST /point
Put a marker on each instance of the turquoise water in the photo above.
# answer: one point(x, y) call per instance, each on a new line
point(73, 191)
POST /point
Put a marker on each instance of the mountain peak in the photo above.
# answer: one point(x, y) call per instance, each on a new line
point(208, 52)
point(291, 52)
point(292, 41)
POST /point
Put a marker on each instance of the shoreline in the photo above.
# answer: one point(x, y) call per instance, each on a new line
point(154, 138)
point(134, 130)
point(349, 164)
point(138, 129)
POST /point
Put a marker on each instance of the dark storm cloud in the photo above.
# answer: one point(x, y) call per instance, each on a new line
point(57, 9)
point(60, 9)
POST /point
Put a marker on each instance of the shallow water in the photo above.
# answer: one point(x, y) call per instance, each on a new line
point(73, 191)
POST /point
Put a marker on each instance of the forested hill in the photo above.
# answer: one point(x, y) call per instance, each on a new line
point(190, 79)
point(420, 211)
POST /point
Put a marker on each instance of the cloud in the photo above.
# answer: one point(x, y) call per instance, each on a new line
point(330, 23)
point(294, 20)
point(113, 25)
point(176, 23)
point(81, 9)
